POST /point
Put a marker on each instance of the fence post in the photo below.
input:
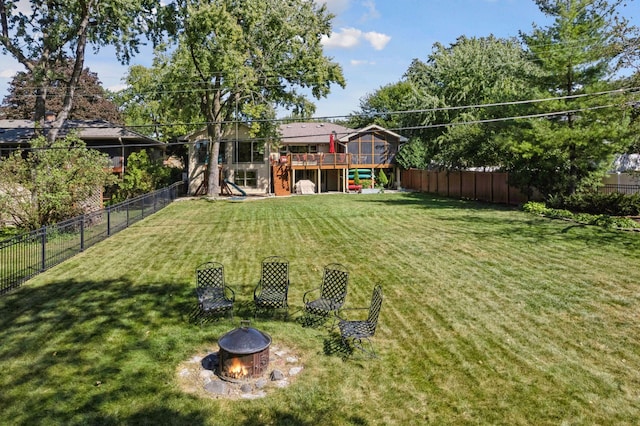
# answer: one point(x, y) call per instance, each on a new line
point(43, 252)
point(82, 233)
point(108, 221)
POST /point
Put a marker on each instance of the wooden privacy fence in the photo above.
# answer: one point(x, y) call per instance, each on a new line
point(492, 187)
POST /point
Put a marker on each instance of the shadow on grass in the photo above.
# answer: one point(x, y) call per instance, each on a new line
point(335, 346)
point(432, 201)
point(76, 352)
point(282, 417)
point(475, 218)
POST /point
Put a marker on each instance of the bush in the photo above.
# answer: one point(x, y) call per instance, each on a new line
point(382, 179)
point(614, 204)
point(585, 218)
point(142, 176)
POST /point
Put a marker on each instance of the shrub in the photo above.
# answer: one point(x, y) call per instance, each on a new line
point(356, 177)
point(614, 204)
point(585, 218)
point(382, 179)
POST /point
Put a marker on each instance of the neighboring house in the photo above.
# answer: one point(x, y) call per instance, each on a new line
point(625, 173)
point(241, 160)
point(114, 140)
point(322, 153)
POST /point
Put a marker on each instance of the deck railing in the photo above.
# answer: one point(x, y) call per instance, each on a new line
point(336, 160)
point(321, 159)
point(26, 255)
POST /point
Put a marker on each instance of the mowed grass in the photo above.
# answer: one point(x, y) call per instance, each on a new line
point(491, 316)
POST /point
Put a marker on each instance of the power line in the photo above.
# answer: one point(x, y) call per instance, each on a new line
point(422, 127)
point(385, 113)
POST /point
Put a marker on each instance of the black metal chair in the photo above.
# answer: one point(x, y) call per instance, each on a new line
point(358, 331)
point(214, 296)
point(332, 291)
point(271, 292)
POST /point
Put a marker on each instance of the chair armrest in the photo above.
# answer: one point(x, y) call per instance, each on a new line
point(233, 293)
point(257, 290)
point(304, 296)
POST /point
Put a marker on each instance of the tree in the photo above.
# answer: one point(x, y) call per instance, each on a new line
point(237, 60)
point(91, 100)
point(439, 97)
point(142, 176)
point(52, 32)
point(468, 77)
point(51, 182)
point(578, 55)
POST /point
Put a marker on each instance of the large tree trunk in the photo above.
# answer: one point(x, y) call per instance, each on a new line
point(214, 130)
point(75, 75)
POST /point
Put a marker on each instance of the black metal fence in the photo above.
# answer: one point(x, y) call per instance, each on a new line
point(623, 189)
point(26, 255)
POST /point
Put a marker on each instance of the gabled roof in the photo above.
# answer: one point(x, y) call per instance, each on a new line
point(318, 133)
point(17, 132)
point(311, 132)
point(373, 128)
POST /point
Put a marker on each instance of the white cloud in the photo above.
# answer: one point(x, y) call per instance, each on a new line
point(117, 87)
point(377, 40)
point(372, 12)
point(345, 39)
point(359, 62)
point(348, 38)
point(8, 73)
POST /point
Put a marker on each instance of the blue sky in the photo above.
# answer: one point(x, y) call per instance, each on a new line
point(375, 40)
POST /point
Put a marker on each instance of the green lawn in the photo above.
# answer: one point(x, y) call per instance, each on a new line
point(491, 316)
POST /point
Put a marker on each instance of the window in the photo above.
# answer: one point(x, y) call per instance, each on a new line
point(249, 152)
point(201, 146)
point(202, 151)
point(248, 178)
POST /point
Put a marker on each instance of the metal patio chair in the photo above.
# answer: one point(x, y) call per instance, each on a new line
point(357, 332)
point(214, 296)
point(273, 287)
point(330, 296)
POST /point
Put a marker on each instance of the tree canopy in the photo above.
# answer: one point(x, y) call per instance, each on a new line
point(48, 33)
point(550, 108)
point(238, 61)
point(91, 101)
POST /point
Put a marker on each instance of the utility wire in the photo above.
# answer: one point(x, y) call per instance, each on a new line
point(374, 114)
point(427, 126)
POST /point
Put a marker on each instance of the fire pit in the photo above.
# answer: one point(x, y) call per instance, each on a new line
point(244, 353)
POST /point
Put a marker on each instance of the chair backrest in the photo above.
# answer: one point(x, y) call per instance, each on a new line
point(334, 282)
point(275, 273)
point(374, 308)
point(210, 274)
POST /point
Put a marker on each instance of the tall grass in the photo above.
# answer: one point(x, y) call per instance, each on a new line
point(490, 316)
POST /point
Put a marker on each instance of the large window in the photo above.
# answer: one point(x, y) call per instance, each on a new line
point(202, 151)
point(249, 152)
point(201, 147)
point(248, 178)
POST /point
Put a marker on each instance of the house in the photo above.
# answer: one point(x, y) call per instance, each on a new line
point(624, 175)
point(242, 160)
point(323, 153)
point(116, 141)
